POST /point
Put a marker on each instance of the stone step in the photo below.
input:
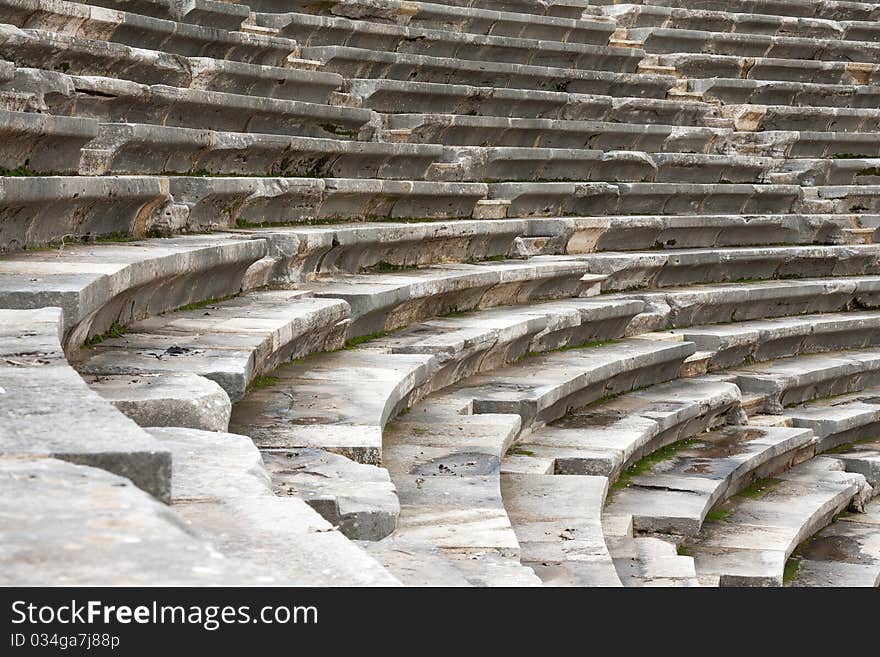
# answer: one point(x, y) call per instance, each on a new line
point(231, 342)
point(822, 119)
point(403, 368)
point(111, 100)
point(840, 420)
point(356, 498)
point(607, 437)
point(166, 400)
point(674, 495)
point(459, 17)
point(763, 526)
point(393, 96)
point(222, 490)
point(741, 301)
point(103, 286)
point(572, 9)
point(138, 31)
point(49, 410)
point(792, 381)
point(595, 199)
point(661, 40)
point(311, 31)
point(650, 562)
point(385, 302)
point(89, 57)
point(696, 65)
point(137, 148)
point(557, 521)
point(34, 142)
point(221, 202)
point(363, 63)
point(648, 15)
point(770, 339)
point(826, 10)
point(798, 94)
point(547, 386)
point(845, 553)
point(208, 13)
point(58, 539)
point(675, 267)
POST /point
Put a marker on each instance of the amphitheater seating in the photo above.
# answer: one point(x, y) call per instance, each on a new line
point(488, 292)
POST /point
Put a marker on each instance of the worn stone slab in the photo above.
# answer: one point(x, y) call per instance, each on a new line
point(687, 267)
point(110, 100)
point(138, 148)
point(383, 302)
point(44, 144)
point(674, 495)
point(222, 490)
point(88, 57)
point(230, 342)
point(391, 96)
point(49, 411)
point(102, 284)
point(37, 211)
point(363, 63)
point(829, 10)
point(716, 304)
point(547, 386)
point(605, 438)
point(763, 340)
point(550, 199)
point(650, 562)
point(793, 381)
point(51, 511)
point(141, 31)
point(167, 400)
point(557, 521)
point(356, 498)
point(209, 13)
point(770, 92)
point(751, 545)
point(311, 31)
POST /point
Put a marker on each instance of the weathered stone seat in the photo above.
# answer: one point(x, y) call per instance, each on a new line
point(102, 285)
point(222, 490)
point(132, 148)
point(798, 94)
point(456, 129)
point(34, 142)
point(776, 384)
point(839, 420)
point(674, 495)
point(309, 31)
point(209, 13)
point(474, 20)
point(591, 199)
point(740, 301)
point(81, 56)
point(363, 63)
point(384, 302)
point(110, 100)
point(665, 40)
point(48, 410)
point(816, 119)
point(212, 202)
point(829, 10)
point(230, 342)
point(824, 72)
point(750, 546)
point(135, 30)
point(58, 539)
point(401, 96)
